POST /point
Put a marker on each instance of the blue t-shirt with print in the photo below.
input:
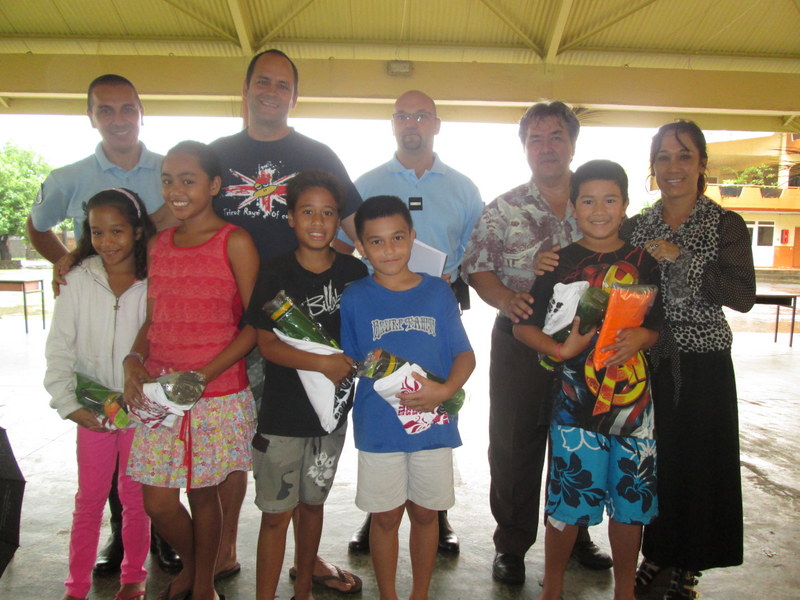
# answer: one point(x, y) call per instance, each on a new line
point(422, 325)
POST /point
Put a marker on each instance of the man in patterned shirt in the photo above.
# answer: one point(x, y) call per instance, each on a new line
point(498, 263)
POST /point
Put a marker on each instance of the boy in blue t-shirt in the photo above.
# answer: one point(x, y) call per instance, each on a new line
point(405, 459)
point(601, 430)
point(294, 457)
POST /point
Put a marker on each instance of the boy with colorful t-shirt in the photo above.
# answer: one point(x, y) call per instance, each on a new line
point(602, 455)
point(405, 459)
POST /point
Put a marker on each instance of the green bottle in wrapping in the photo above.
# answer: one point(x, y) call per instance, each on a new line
point(101, 400)
point(379, 363)
point(292, 320)
point(591, 308)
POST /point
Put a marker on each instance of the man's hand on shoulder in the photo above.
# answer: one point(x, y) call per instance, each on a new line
point(546, 261)
point(60, 269)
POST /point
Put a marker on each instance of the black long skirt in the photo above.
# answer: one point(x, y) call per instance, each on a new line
point(699, 525)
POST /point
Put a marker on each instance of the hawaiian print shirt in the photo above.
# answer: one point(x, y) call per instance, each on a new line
point(511, 231)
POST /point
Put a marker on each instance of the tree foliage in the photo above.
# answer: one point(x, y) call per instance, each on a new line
point(761, 175)
point(21, 173)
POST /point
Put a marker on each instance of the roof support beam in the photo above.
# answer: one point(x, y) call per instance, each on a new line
point(513, 26)
point(241, 22)
point(128, 39)
point(557, 33)
point(196, 85)
point(192, 14)
point(607, 23)
point(275, 30)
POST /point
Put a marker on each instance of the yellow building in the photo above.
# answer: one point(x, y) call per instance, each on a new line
point(772, 213)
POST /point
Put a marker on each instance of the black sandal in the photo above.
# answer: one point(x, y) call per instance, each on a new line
point(645, 575)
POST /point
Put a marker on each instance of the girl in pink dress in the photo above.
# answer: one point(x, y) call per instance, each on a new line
point(201, 276)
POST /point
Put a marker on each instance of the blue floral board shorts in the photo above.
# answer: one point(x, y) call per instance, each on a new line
point(589, 470)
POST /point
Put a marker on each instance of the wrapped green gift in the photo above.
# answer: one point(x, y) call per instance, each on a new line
point(591, 308)
point(379, 363)
point(103, 401)
point(292, 320)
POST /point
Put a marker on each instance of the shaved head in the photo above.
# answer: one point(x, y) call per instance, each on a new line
point(414, 124)
point(416, 98)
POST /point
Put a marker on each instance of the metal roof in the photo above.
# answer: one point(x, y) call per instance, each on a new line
point(729, 63)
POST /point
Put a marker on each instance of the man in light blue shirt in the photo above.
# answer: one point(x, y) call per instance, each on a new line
point(120, 160)
point(445, 206)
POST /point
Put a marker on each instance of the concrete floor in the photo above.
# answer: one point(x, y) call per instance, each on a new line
point(768, 381)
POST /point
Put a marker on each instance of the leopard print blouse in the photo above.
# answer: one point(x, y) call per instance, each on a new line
point(714, 269)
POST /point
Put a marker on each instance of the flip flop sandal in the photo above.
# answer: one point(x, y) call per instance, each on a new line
point(341, 575)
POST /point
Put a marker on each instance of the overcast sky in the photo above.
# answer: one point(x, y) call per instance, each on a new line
point(490, 154)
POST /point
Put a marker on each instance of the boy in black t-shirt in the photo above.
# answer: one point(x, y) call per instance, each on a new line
point(294, 457)
point(601, 429)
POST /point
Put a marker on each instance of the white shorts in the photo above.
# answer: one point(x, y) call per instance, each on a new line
point(387, 479)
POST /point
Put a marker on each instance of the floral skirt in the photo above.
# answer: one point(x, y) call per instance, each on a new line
point(209, 443)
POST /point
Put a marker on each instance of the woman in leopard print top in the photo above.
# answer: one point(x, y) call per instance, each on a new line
point(706, 262)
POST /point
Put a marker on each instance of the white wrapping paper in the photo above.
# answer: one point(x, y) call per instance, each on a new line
point(328, 401)
point(400, 382)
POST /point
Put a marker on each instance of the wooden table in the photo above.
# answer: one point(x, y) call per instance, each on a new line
point(26, 286)
point(779, 298)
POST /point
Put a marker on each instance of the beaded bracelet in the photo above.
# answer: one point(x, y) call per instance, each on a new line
point(135, 355)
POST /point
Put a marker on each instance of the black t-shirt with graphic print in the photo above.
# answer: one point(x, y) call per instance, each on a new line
point(254, 178)
point(285, 408)
point(612, 400)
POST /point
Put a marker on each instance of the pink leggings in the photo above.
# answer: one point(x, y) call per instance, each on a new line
point(98, 454)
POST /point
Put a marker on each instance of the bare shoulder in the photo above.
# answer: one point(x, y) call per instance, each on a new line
point(240, 239)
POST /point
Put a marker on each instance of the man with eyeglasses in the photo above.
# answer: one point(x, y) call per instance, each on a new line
point(445, 206)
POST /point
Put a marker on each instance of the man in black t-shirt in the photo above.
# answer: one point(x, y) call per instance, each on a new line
point(257, 163)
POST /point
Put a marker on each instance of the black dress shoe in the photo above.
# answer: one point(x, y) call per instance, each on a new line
point(359, 541)
point(109, 558)
point(590, 556)
point(509, 568)
point(448, 540)
point(168, 560)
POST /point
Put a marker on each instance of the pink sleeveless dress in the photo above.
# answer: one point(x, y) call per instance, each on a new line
point(195, 316)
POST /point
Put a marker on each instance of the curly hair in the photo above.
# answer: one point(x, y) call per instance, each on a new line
point(314, 178)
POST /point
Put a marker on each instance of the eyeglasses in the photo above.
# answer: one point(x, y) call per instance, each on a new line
point(419, 117)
